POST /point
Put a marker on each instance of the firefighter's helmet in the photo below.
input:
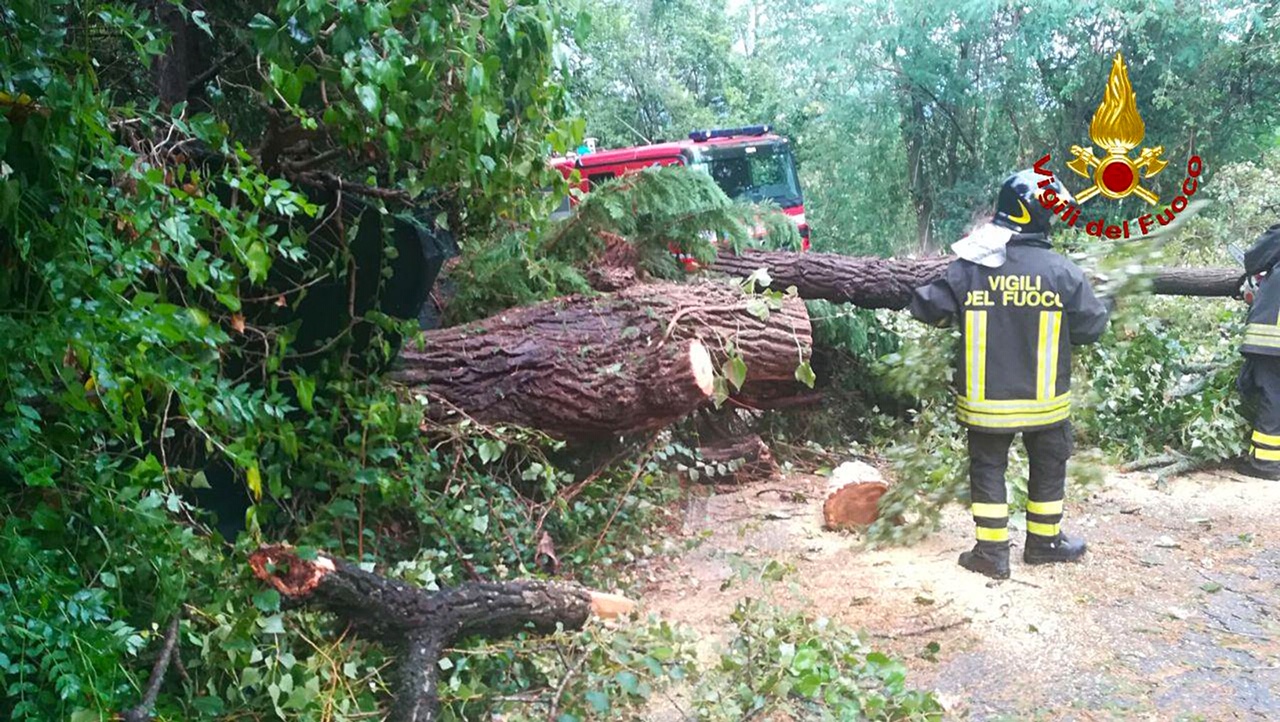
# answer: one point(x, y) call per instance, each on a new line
point(1264, 254)
point(1018, 206)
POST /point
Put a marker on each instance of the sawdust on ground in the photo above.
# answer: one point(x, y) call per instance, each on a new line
point(1169, 617)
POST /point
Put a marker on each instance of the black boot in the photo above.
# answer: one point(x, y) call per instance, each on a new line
point(1258, 470)
point(987, 558)
point(1048, 550)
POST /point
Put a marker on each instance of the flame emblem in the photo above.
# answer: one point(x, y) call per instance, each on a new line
point(1117, 128)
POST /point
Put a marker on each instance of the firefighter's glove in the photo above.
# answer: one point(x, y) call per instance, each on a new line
point(1249, 287)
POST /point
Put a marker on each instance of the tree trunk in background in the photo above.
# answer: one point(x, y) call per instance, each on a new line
point(594, 367)
point(872, 282)
point(868, 282)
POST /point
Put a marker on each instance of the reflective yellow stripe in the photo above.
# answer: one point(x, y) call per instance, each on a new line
point(1264, 335)
point(1035, 527)
point(1047, 354)
point(985, 534)
point(990, 511)
point(975, 339)
point(1006, 421)
point(1014, 406)
point(1267, 439)
point(1266, 454)
point(982, 355)
point(970, 385)
point(1045, 507)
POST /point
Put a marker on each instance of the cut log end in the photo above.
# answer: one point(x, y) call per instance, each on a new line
point(704, 372)
point(291, 575)
point(853, 496)
point(611, 606)
point(853, 506)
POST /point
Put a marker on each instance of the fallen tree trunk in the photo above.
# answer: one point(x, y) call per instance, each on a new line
point(872, 282)
point(422, 623)
point(1210, 281)
point(593, 367)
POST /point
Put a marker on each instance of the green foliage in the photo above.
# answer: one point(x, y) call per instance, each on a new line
point(156, 258)
point(856, 331)
point(789, 665)
point(602, 673)
point(651, 212)
point(905, 115)
point(1166, 379)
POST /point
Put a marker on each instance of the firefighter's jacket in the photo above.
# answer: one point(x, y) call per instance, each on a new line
point(1018, 323)
point(1262, 329)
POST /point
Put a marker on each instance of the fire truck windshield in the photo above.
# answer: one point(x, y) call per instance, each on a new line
point(755, 173)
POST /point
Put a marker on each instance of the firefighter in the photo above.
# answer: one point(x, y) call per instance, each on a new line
point(1259, 381)
point(1020, 307)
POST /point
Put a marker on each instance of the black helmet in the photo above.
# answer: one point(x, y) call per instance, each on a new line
point(1265, 252)
point(1018, 207)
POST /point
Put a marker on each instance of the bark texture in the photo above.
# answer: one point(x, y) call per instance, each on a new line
point(423, 624)
point(868, 282)
point(1211, 281)
point(872, 282)
point(593, 367)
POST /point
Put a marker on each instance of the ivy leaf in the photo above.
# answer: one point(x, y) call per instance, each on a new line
point(491, 123)
point(368, 96)
point(719, 391)
point(805, 375)
point(736, 371)
point(761, 277)
point(272, 625)
point(305, 386)
point(629, 682)
point(599, 701)
point(254, 479)
point(490, 450)
point(267, 600)
point(262, 22)
point(258, 261)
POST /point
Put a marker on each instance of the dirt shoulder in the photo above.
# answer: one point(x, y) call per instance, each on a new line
point(1169, 617)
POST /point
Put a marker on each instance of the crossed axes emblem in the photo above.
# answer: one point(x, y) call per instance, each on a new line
point(1115, 175)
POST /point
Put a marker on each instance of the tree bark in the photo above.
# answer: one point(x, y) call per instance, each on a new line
point(872, 282)
point(594, 367)
point(422, 623)
point(1210, 281)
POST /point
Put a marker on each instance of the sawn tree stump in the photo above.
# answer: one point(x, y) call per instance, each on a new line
point(853, 496)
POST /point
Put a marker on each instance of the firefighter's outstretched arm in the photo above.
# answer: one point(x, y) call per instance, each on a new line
point(936, 304)
point(1086, 315)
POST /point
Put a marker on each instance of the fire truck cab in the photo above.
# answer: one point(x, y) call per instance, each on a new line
point(750, 163)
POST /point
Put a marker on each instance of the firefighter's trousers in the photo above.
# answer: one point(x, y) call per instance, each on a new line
point(1047, 452)
point(1260, 385)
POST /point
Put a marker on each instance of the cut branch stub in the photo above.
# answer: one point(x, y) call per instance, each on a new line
point(592, 367)
point(421, 622)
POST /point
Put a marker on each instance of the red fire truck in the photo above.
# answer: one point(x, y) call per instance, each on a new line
point(750, 163)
